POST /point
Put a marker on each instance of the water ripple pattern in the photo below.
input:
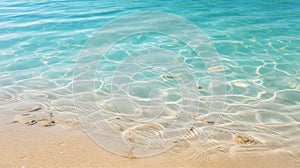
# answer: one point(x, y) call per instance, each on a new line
point(143, 84)
point(257, 41)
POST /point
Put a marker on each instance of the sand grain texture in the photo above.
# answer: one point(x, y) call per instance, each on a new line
point(58, 146)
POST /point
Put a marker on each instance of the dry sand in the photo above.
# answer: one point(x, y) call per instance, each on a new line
point(58, 146)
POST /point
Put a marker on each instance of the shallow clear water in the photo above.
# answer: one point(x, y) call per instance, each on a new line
point(257, 41)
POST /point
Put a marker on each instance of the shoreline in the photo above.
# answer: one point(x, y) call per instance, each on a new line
point(59, 146)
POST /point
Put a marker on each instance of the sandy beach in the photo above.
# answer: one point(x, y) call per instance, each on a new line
point(61, 146)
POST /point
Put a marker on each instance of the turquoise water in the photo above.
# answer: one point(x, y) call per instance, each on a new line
point(257, 42)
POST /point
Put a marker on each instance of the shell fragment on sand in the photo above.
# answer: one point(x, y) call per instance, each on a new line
point(242, 139)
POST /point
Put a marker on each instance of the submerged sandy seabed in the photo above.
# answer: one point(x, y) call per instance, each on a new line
point(60, 146)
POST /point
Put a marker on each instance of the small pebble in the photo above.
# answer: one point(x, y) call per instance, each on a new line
point(169, 77)
point(207, 121)
point(47, 123)
point(31, 122)
point(35, 109)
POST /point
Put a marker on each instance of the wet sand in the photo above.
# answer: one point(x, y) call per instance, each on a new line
point(61, 146)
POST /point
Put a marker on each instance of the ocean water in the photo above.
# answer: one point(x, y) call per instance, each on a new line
point(43, 56)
